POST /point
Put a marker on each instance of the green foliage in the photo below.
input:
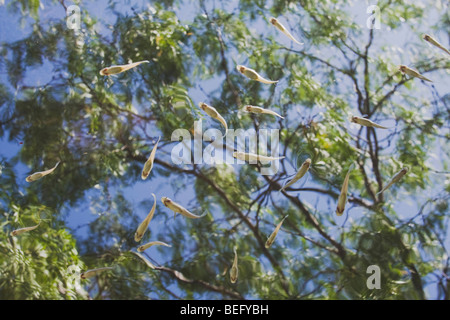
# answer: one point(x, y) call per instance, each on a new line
point(40, 264)
point(103, 128)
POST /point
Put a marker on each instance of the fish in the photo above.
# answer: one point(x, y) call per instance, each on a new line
point(395, 179)
point(234, 269)
point(119, 69)
point(38, 175)
point(144, 224)
point(366, 122)
point(153, 243)
point(343, 196)
point(212, 112)
point(412, 73)
point(177, 208)
point(22, 230)
point(148, 263)
point(301, 172)
point(255, 109)
point(435, 43)
point(271, 238)
point(93, 272)
point(149, 163)
point(253, 75)
point(252, 157)
point(283, 29)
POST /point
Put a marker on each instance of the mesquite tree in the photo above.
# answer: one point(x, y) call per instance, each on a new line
point(103, 128)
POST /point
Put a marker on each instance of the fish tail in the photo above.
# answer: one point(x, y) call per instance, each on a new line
point(352, 167)
point(425, 78)
point(274, 114)
point(267, 81)
point(203, 214)
point(295, 40)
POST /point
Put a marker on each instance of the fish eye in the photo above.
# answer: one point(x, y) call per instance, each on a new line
point(242, 69)
point(273, 21)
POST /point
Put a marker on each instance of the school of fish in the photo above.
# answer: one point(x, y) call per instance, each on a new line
point(249, 157)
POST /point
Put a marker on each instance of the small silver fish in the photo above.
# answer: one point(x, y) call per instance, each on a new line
point(255, 109)
point(253, 157)
point(343, 196)
point(93, 272)
point(38, 175)
point(176, 208)
point(22, 230)
point(412, 73)
point(153, 243)
point(213, 113)
point(283, 29)
point(271, 238)
point(149, 163)
point(435, 43)
point(366, 122)
point(301, 172)
point(119, 69)
point(144, 224)
point(234, 269)
point(253, 75)
point(395, 179)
